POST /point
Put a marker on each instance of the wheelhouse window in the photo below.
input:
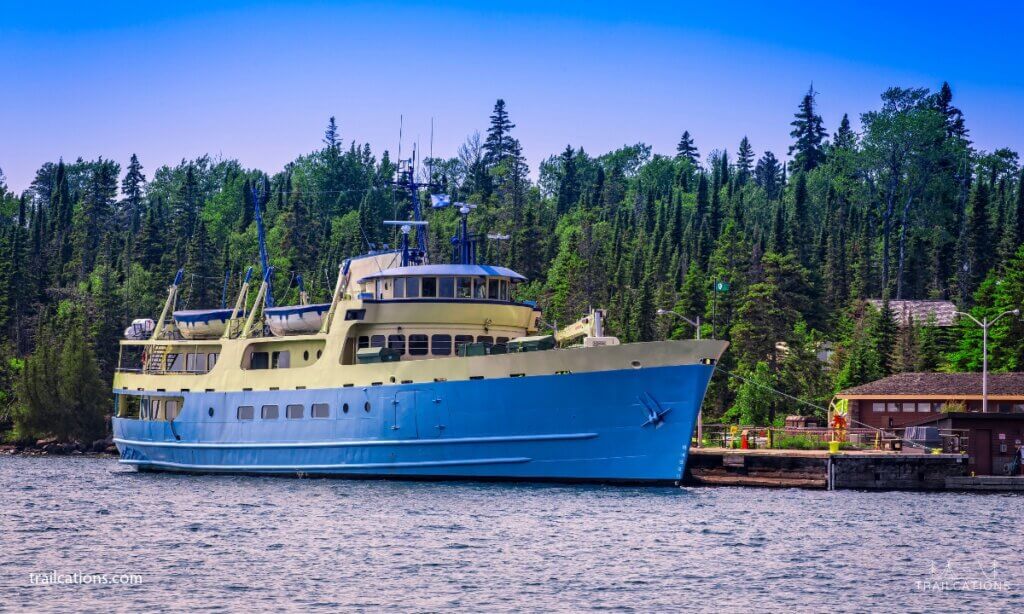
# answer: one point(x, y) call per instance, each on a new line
point(441, 345)
point(429, 287)
point(320, 410)
point(399, 287)
point(503, 293)
point(246, 412)
point(493, 289)
point(480, 288)
point(294, 412)
point(446, 287)
point(259, 360)
point(281, 360)
point(417, 345)
point(397, 342)
point(412, 287)
point(269, 412)
point(464, 287)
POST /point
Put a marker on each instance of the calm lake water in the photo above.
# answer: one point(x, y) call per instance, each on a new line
point(228, 543)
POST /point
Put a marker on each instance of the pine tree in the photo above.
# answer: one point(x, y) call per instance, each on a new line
point(979, 235)
point(809, 134)
point(744, 161)
point(800, 227)
point(499, 141)
point(768, 175)
point(845, 138)
point(687, 150)
point(883, 333)
point(332, 138)
point(132, 187)
point(569, 185)
point(954, 118)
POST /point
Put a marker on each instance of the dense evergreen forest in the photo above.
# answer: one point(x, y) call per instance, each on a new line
point(905, 209)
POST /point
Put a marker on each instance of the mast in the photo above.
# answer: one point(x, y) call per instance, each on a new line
point(264, 260)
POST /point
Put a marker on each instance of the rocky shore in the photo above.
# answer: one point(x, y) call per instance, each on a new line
point(48, 447)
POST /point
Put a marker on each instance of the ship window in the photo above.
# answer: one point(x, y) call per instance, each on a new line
point(211, 359)
point(259, 360)
point(294, 412)
point(190, 363)
point(154, 409)
point(461, 340)
point(377, 341)
point(305, 355)
point(344, 408)
point(446, 287)
point(418, 345)
point(502, 340)
point(173, 364)
point(485, 339)
point(171, 409)
point(269, 412)
point(503, 290)
point(364, 342)
point(429, 287)
point(246, 412)
point(492, 288)
point(441, 345)
point(321, 410)
point(399, 287)
point(480, 288)
point(281, 360)
point(464, 287)
point(397, 342)
point(412, 287)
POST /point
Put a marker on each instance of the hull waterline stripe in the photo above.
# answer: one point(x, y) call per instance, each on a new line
point(352, 444)
point(307, 468)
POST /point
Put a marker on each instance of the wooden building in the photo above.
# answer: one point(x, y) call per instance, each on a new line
point(950, 401)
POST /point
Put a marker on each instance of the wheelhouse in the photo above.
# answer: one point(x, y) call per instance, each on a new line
point(442, 282)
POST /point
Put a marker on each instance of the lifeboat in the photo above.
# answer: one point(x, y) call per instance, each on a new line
point(295, 319)
point(202, 323)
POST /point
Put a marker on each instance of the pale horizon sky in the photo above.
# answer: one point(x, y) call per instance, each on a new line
point(257, 81)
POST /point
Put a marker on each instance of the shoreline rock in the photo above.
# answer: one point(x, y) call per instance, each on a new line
point(52, 447)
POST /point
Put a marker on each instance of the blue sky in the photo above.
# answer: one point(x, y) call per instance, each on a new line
point(257, 81)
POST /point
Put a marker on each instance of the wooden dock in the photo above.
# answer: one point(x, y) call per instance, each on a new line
point(1003, 483)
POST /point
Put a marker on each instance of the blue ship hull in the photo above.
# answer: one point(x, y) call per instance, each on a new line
point(631, 425)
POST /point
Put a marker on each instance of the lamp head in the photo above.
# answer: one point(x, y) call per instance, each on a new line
point(662, 312)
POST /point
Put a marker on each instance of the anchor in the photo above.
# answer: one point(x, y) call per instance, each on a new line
point(655, 413)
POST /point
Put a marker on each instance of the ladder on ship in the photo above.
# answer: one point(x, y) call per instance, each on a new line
point(155, 358)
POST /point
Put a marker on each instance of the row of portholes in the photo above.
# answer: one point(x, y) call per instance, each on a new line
point(305, 355)
point(294, 411)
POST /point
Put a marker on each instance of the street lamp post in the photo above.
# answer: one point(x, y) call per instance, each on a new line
point(984, 323)
point(695, 325)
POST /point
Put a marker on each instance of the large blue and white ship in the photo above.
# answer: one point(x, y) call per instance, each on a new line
point(414, 371)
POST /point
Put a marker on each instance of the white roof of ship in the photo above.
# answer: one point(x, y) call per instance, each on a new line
point(467, 270)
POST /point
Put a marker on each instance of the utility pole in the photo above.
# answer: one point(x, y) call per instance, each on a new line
point(985, 323)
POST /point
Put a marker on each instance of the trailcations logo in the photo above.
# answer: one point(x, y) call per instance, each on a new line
point(965, 576)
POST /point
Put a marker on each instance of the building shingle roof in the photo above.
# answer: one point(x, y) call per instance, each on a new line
point(953, 384)
point(928, 313)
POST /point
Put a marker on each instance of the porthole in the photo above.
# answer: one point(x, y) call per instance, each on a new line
point(305, 356)
point(344, 408)
point(318, 353)
point(366, 407)
point(635, 364)
point(211, 412)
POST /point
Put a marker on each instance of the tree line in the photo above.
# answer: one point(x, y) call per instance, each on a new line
point(780, 258)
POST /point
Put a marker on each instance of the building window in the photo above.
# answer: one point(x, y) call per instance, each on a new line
point(909, 407)
point(429, 287)
point(461, 340)
point(446, 287)
point(441, 345)
point(893, 406)
point(246, 412)
point(397, 342)
point(878, 407)
point(412, 287)
point(321, 410)
point(464, 287)
point(377, 341)
point(269, 412)
point(418, 345)
point(294, 412)
point(399, 287)
point(364, 342)
point(924, 407)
